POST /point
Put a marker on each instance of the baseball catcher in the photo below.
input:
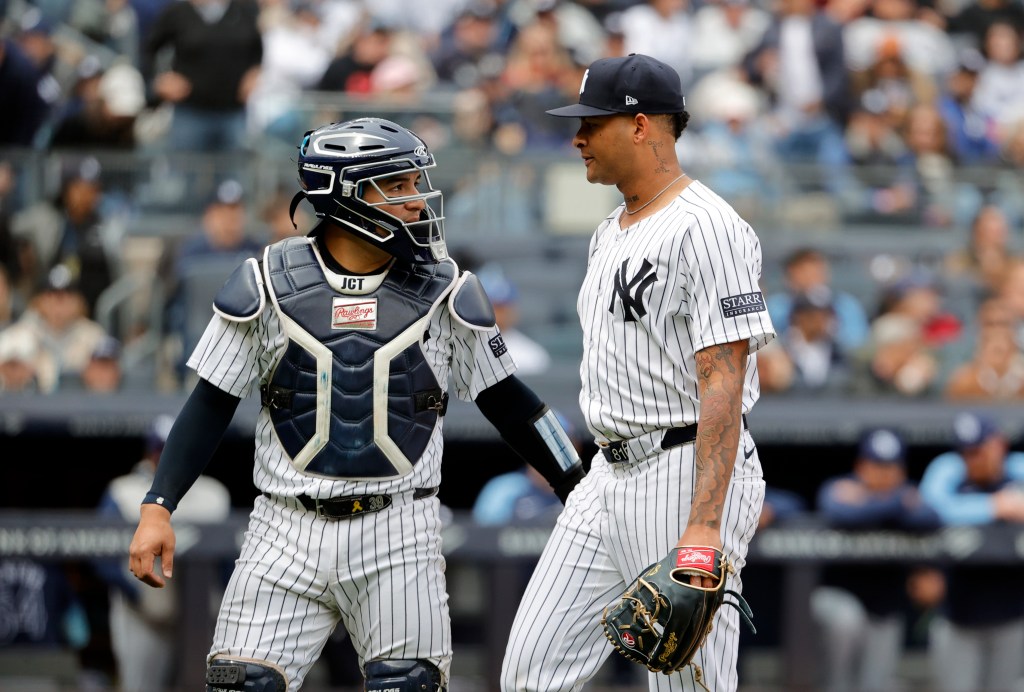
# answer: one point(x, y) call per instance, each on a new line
point(662, 619)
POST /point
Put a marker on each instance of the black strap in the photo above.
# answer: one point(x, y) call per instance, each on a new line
point(275, 397)
point(353, 505)
point(432, 400)
point(617, 452)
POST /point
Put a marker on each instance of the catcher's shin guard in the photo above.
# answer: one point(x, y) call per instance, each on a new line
point(403, 676)
point(244, 675)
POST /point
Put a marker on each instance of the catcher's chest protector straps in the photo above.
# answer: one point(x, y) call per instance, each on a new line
point(354, 395)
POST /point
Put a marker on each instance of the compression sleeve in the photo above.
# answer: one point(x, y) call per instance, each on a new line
point(531, 429)
point(191, 443)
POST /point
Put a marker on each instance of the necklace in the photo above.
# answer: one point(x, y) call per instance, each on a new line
point(645, 204)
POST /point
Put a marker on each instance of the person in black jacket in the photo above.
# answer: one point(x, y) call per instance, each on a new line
point(217, 51)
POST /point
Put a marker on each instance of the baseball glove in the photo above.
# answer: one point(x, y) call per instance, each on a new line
point(661, 620)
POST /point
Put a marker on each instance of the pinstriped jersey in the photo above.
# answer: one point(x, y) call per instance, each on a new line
point(238, 357)
point(656, 293)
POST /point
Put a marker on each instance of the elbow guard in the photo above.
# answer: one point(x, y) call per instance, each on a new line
point(556, 458)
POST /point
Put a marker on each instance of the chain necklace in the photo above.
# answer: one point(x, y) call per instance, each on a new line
point(645, 204)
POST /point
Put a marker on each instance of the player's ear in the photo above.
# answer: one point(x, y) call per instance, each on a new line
point(641, 126)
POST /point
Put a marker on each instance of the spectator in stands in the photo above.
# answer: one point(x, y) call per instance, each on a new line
point(662, 29)
point(279, 222)
point(780, 507)
point(800, 65)
point(904, 352)
point(806, 357)
point(535, 70)
point(943, 199)
point(874, 137)
point(217, 50)
point(860, 609)
point(530, 356)
point(144, 622)
point(925, 46)
point(724, 31)
point(101, 374)
point(972, 134)
point(520, 495)
point(977, 641)
point(805, 269)
point(977, 270)
point(995, 371)
point(472, 46)
point(1011, 151)
point(52, 339)
point(221, 238)
point(901, 85)
point(578, 29)
point(102, 109)
point(972, 20)
point(1011, 291)
point(999, 93)
point(733, 142)
point(350, 70)
point(23, 83)
point(6, 298)
point(75, 232)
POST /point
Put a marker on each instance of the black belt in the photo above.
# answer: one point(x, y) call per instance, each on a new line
point(618, 452)
point(353, 505)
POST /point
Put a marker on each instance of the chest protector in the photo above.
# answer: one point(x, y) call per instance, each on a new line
point(353, 397)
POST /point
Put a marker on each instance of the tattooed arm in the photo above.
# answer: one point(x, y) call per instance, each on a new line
point(720, 372)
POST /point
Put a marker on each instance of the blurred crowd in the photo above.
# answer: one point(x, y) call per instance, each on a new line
point(906, 114)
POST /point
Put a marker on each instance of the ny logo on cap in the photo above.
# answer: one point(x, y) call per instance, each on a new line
point(583, 84)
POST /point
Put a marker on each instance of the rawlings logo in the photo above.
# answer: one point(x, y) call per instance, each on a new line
point(669, 647)
point(354, 314)
point(628, 640)
point(695, 558)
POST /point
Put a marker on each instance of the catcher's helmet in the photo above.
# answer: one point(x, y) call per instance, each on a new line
point(338, 163)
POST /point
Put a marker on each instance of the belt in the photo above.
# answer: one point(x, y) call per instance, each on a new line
point(636, 448)
point(353, 505)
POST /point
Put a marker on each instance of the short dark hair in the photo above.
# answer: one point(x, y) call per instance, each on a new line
point(804, 254)
point(676, 122)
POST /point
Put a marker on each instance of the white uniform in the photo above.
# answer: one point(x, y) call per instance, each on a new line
point(655, 293)
point(142, 631)
point(381, 573)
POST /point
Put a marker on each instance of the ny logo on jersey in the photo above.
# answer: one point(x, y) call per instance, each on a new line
point(631, 292)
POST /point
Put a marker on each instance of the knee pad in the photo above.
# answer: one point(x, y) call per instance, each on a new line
point(237, 675)
point(403, 676)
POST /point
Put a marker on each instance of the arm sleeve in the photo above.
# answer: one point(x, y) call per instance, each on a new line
point(191, 443)
point(939, 490)
point(529, 427)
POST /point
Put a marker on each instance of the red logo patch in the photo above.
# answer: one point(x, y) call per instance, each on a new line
point(696, 558)
point(353, 314)
point(628, 639)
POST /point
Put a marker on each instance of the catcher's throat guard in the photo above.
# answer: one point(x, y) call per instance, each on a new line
point(661, 620)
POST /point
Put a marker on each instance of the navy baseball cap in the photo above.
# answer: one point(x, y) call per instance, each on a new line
point(632, 84)
point(972, 429)
point(882, 445)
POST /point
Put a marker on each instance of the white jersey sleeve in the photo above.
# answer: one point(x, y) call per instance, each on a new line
point(478, 358)
point(237, 356)
point(721, 266)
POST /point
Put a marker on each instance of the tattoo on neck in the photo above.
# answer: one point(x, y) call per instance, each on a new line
point(656, 146)
point(634, 198)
